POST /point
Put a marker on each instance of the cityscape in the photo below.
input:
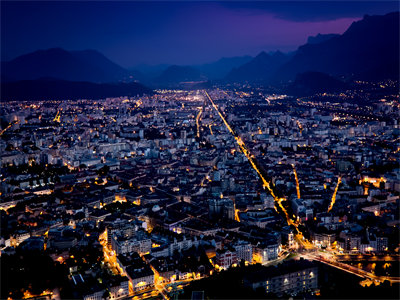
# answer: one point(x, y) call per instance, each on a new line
point(265, 175)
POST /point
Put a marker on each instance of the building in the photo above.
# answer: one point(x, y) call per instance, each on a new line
point(291, 241)
point(381, 244)
point(221, 208)
point(288, 278)
point(62, 238)
point(229, 209)
point(139, 243)
point(94, 295)
point(182, 244)
point(140, 278)
point(324, 239)
point(226, 258)
point(349, 242)
point(19, 237)
point(265, 252)
point(244, 251)
point(119, 288)
point(138, 272)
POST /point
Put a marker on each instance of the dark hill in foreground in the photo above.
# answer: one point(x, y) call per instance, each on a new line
point(309, 83)
point(176, 74)
point(46, 89)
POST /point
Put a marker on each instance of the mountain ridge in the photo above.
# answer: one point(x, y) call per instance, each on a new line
point(259, 69)
point(368, 49)
point(86, 65)
point(366, 45)
point(175, 74)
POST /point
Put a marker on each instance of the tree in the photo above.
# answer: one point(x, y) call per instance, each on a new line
point(106, 295)
point(103, 171)
point(9, 147)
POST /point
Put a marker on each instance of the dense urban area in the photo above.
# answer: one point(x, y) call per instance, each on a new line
point(233, 192)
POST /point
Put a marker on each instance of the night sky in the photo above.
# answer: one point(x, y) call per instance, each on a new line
point(131, 33)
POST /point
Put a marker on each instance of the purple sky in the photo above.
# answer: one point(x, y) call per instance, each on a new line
point(243, 32)
point(130, 33)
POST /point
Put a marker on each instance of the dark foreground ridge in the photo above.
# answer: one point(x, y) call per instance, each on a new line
point(47, 89)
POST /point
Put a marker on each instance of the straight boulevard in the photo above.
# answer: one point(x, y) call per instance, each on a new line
point(310, 249)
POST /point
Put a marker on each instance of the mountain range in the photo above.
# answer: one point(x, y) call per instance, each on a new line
point(87, 65)
point(319, 38)
point(176, 74)
point(220, 68)
point(259, 69)
point(368, 49)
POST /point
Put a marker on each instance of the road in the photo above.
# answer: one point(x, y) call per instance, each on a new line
point(109, 256)
point(165, 289)
point(297, 182)
point(57, 118)
point(348, 268)
point(333, 200)
point(266, 183)
point(141, 295)
point(303, 243)
point(8, 127)
point(244, 149)
point(198, 121)
point(367, 257)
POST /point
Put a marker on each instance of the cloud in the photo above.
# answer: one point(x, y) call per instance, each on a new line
point(314, 10)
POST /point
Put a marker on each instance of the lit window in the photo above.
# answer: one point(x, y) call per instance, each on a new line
point(286, 281)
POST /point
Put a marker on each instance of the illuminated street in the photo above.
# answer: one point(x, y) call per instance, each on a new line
point(333, 200)
point(297, 182)
point(266, 184)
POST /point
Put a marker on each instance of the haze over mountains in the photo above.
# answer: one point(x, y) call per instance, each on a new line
point(259, 69)
point(223, 66)
point(175, 74)
point(367, 50)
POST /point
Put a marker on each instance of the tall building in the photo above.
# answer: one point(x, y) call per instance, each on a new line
point(219, 208)
point(183, 134)
point(244, 250)
point(289, 278)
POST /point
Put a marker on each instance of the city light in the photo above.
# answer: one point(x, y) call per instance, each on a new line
point(333, 199)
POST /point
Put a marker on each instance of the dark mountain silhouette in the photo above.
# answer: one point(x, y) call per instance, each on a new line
point(196, 85)
point(259, 69)
point(369, 49)
point(172, 74)
point(44, 89)
point(177, 74)
point(310, 83)
point(88, 65)
point(220, 68)
point(150, 71)
point(319, 38)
